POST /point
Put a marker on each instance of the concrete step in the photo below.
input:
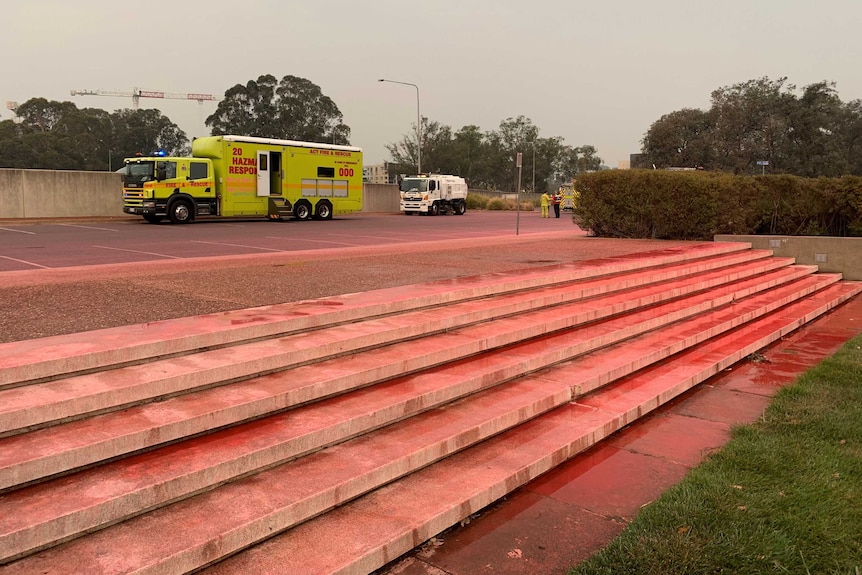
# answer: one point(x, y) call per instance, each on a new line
point(55, 511)
point(68, 398)
point(59, 356)
point(367, 533)
point(32, 406)
point(32, 456)
point(132, 485)
point(373, 530)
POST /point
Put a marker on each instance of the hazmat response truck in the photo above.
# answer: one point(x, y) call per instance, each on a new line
point(240, 176)
point(433, 194)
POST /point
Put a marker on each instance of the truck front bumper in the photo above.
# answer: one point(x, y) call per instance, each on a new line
point(139, 211)
point(415, 206)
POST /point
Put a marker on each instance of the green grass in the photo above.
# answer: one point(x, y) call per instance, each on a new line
point(783, 496)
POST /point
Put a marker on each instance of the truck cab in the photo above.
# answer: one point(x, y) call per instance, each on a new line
point(169, 187)
point(433, 194)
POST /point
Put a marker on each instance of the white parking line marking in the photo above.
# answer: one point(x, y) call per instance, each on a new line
point(236, 246)
point(139, 252)
point(388, 239)
point(25, 262)
point(306, 240)
point(88, 227)
point(19, 231)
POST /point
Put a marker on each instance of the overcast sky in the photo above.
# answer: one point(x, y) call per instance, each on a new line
point(592, 72)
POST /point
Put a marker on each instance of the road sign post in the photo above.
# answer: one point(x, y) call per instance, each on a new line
point(518, 207)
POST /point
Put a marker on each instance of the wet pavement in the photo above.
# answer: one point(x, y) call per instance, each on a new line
point(575, 510)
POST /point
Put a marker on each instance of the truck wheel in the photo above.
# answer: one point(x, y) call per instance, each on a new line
point(460, 208)
point(302, 210)
point(153, 219)
point(324, 211)
point(180, 212)
point(434, 209)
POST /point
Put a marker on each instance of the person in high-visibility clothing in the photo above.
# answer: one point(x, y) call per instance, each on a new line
point(546, 201)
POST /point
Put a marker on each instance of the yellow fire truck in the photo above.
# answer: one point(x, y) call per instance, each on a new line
point(240, 176)
point(570, 196)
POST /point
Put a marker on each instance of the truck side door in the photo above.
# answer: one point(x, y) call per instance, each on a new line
point(263, 183)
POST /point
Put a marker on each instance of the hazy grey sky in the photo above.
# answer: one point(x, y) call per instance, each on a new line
point(593, 72)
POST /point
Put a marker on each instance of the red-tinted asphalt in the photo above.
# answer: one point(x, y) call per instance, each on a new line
point(52, 244)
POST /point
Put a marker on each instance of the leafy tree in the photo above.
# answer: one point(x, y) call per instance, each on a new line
point(514, 135)
point(588, 159)
point(517, 133)
point(564, 164)
point(849, 136)
point(487, 160)
point(436, 149)
point(809, 133)
point(59, 136)
point(468, 149)
point(41, 115)
point(12, 154)
point(751, 123)
point(293, 108)
point(679, 139)
point(813, 149)
point(145, 132)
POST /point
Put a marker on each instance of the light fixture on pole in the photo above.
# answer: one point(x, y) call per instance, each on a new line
point(418, 123)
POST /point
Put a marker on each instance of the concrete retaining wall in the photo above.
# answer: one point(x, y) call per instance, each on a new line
point(11, 194)
point(70, 194)
point(381, 198)
point(57, 194)
point(830, 254)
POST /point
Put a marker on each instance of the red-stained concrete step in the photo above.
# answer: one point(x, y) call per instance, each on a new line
point(28, 457)
point(184, 536)
point(375, 529)
point(180, 470)
point(39, 404)
point(660, 382)
point(594, 370)
point(35, 502)
point(49, 357)
point(324, 314)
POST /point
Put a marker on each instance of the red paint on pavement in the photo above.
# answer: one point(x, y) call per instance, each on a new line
point(684, 440)
point(617, 477)
point(517, 541)
point(609, 481)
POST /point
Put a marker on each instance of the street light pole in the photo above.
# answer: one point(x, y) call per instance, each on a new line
point(533, 189)
point(418, 123)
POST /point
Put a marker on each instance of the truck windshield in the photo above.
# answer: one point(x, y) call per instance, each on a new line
point(137, 173)
point(414, 184)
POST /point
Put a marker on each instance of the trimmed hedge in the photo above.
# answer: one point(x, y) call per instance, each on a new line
point(477, 201)
point(480, 202)
point(662, 204)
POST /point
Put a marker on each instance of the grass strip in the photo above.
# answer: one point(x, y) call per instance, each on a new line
point(783, 496)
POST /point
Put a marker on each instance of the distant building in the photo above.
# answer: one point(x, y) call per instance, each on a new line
point(624, 165)
point(377, 174)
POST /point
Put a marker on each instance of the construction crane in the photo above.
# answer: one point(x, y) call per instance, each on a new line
point(136, 94)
